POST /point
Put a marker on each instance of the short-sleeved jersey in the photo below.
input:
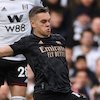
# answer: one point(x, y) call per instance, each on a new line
point(46, 57)
point(14, 22)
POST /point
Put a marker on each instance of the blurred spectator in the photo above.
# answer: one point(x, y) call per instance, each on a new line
point(91, 7)
point(97, 70)
point(86, 48)
point(80, 83)
point(52, 3)
point(81, 11)
point(63, 17)
point(96, 29)
point(95, 93)
point(81, 64)
point(57, 17)
point(81, 23)
point(71, 66)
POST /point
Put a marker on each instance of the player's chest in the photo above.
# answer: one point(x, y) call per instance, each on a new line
point(12, 6)
point(48, 49)
point(16, 11)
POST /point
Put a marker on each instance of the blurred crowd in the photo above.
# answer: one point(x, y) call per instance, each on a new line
point(78, 21)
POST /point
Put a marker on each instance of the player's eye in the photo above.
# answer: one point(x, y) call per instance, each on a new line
point(43, 21)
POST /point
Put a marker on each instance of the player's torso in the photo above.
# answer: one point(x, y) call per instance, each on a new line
point(50, 47)
point(14, 21)
point(48, 57)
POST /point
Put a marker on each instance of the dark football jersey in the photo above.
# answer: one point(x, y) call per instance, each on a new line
point(46, 57)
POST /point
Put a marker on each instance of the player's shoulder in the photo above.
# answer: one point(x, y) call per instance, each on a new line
point(27, 38)
point(57, 36)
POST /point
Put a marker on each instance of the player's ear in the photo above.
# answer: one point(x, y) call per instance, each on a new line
point(32, 23)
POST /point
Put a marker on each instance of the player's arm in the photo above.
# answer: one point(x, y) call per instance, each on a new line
point(19, 47)
point(6, 51)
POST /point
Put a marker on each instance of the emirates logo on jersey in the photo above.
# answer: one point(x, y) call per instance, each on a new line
point(53, 51)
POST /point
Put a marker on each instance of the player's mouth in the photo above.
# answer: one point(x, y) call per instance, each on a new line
point(49, 30)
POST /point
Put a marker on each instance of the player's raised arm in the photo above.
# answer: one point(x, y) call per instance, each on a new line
point(6, 51)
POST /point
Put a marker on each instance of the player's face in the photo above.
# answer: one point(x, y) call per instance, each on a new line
point(41, 24)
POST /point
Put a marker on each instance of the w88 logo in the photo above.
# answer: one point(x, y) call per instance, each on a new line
point(15, 28)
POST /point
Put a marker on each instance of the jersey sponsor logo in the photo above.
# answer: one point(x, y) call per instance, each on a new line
point(53, 51)
point(15, 18)
point(15, 28)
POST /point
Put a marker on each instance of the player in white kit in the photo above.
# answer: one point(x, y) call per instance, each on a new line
point(14, 24)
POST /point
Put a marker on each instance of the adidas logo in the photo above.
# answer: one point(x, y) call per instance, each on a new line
point(3, 9)
point(40, 42)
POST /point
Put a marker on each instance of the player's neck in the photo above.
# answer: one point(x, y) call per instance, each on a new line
point(40, 35)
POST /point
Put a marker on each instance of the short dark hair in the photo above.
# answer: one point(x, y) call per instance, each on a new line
point(87, 30)
point(37, 9)
point(80, 57)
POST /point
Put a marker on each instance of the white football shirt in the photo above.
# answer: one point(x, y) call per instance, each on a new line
point(14, 22)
